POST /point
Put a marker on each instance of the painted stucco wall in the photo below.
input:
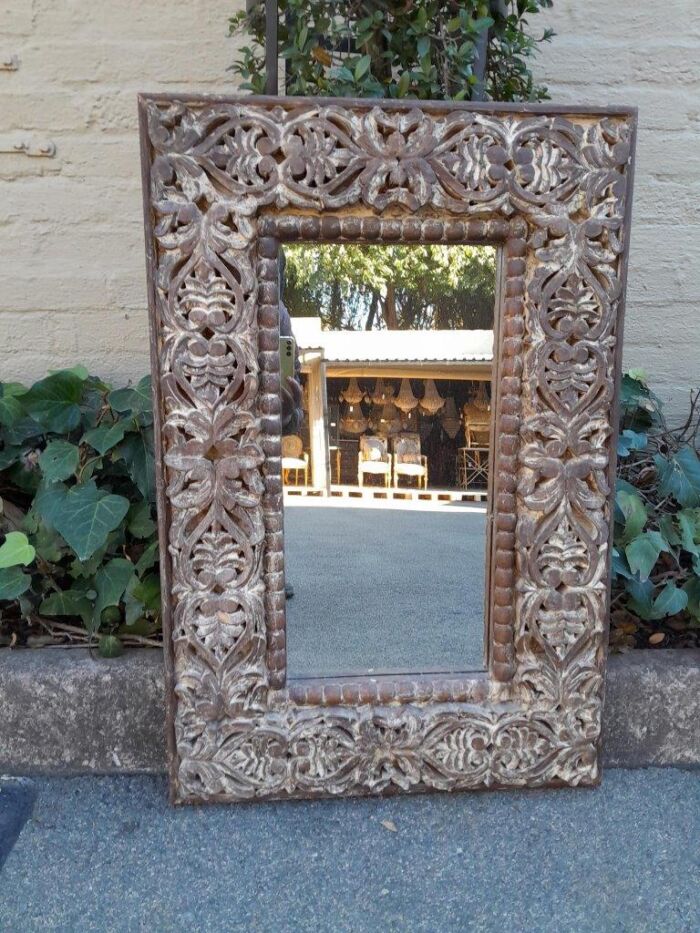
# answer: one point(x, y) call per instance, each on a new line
point(71, 242)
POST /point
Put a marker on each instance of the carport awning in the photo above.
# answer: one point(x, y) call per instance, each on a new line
point(386, 347)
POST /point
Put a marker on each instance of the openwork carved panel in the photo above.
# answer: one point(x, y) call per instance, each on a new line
point(225, 179)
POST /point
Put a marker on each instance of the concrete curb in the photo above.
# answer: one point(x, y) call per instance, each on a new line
point(67, 712)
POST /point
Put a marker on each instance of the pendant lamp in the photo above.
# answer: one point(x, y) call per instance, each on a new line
point(353, 394)
point(352, 420)
point(431, 402)
point(382, 393)
point(406, 400)
point(389, 420)
point(450, 419)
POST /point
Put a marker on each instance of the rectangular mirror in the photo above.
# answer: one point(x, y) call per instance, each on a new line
point(448, 627)
point(386, 471)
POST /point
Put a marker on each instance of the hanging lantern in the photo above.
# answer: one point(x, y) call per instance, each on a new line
point(431, 402)
point(353, 421)
point(406, 400)
point(382, 393)
point(481, 399)
point(450, 419)
point(353, 394)
point(389, 420)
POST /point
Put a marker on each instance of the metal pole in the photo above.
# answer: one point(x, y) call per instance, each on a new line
point(271, 77)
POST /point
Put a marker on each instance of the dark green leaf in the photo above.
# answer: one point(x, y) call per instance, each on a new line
point(139, 521)
point(137, 452)
point(135, 399)
point(54, 402)
point(634, 514)
point(640, 593)
point(68, 603)
point(13, 582)
point(670, 601)
point(59, 460)
point(110, 583)
point(148, 558)
point(689, 525)
point(679, 476)
point(105, 436)
point(10, 411)
point(84, 515)
point(148, 591)
point(629, 441)
point(620, 567)
point(643, 552)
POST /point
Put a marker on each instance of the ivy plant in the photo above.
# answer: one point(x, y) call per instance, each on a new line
point(656, 554)
point(77, 507)
point(78, 544)
point(390, 48)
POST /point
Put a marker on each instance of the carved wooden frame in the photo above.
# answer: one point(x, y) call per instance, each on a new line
point(225, 179)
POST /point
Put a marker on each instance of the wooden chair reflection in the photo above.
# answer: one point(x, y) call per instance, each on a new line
point(295, 458)
point(408, 459)
point(373, 458)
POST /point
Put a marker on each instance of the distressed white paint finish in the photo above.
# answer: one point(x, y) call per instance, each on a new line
point(70, 227)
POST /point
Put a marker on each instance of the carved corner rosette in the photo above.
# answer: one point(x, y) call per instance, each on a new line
point(553, 186)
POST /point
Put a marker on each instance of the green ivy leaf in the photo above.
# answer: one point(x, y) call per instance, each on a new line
point(139, 521)
point(689, 525)
point(620, 567)
point(643, 552)
point(68, 603)
point(105, 437)
point(54, 402)
point(59, 460)
point(629, 441)
point(640, 597)
point(84, 515)
point(362, 66)
point(670, 601)
point(679, 476)
point(148, 558)
point(148, 591)
point(110, 583)
point(16, 550)
point(10, 411)
point(13, 582)
point(134, 399)
point(634, 514)
point(137, 452)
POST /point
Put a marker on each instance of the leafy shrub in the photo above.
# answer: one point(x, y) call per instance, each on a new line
point(79, 557)
point(423, 49)
point(77, 498)
point(656, 554)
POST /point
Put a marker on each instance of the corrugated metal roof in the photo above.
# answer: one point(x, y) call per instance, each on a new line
point(345, 346)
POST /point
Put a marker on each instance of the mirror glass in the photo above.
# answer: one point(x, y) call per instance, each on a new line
point(386, 455)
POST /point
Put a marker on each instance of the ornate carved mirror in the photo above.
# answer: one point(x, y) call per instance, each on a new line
point(511, 443)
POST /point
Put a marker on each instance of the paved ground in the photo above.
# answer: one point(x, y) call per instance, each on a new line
point(107, 854)
point(385, 589)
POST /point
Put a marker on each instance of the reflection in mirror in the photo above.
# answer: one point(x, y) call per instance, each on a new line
point(385, 457)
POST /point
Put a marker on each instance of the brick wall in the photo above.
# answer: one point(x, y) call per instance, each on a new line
point(71, 236)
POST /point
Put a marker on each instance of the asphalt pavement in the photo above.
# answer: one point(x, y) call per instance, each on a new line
point(385, 589)
point(108, 854)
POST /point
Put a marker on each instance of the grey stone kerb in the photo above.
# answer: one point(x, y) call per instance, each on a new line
point(66, 712)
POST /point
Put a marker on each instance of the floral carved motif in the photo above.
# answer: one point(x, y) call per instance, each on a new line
point(224, 178)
